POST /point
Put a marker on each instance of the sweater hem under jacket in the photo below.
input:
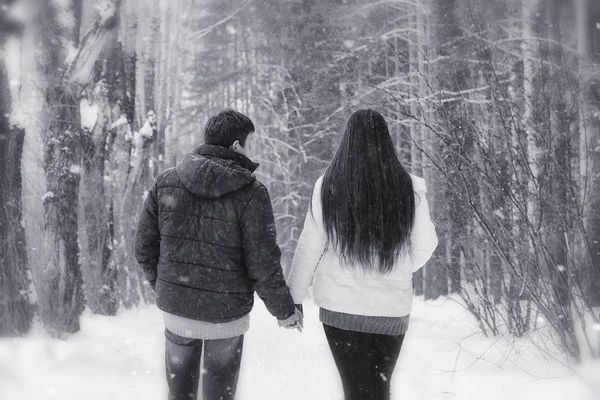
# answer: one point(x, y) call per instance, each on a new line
point(366, 311)
point(193, 329)
point(393, 326)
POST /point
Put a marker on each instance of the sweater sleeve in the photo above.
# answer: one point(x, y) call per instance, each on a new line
point(147, 237)
point(423, 238)
point(310, 248)
point(262, 256)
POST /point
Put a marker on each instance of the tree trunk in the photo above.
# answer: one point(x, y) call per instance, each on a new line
point(415, 71)
point(558, 212)
point(589, 154)
point(130, 282)
point(62, 285)
point(16, 312)
point(437, 271)
point(104, 99)
point(451, 77)
point(96, 235)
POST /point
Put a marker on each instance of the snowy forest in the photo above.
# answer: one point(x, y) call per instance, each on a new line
point(495, 103)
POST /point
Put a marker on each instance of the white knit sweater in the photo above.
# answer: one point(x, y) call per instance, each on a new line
point(343, 289)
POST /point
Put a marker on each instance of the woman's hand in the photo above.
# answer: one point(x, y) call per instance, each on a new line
point(294, 321)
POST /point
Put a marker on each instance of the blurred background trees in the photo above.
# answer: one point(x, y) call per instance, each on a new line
point(496, 104)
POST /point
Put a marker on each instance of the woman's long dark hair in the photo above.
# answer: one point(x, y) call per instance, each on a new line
point(367, 196)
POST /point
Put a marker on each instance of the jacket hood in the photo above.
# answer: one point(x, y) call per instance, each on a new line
point(214, 171)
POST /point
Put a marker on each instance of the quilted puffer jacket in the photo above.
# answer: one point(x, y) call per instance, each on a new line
point(206, 239)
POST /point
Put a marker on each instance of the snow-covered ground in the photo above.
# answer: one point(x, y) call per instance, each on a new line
point(444, 358)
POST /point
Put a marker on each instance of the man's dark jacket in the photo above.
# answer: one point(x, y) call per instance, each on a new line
point(206, 239)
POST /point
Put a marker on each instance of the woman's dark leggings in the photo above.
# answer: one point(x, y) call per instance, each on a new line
point(222, 359)
point(365, 362)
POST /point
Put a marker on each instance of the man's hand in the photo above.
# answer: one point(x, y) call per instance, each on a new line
point(294, 321)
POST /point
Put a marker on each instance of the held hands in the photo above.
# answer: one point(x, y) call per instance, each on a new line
point(294, 321)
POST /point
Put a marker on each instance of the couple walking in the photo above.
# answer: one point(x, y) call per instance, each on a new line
point(206, 241)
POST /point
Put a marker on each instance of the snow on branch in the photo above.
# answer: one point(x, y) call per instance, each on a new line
point(96, 43)
point(400, 33)
point(400, 5)
point(107, 11)
point(205, 31)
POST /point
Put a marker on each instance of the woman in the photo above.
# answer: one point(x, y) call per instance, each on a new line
point(367, 230)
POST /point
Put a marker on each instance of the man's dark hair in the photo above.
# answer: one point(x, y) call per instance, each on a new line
point(226, 127)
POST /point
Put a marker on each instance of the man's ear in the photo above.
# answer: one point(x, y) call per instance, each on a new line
point(235, 146)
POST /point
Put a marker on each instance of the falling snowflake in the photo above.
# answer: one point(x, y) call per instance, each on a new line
point(169, 200)
point(561, 268)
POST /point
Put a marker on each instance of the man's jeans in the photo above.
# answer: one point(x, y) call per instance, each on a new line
point(222, 359)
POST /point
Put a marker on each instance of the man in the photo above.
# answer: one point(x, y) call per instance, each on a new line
point(206, 240)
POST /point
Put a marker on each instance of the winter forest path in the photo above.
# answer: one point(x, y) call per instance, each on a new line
point(444, 358)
